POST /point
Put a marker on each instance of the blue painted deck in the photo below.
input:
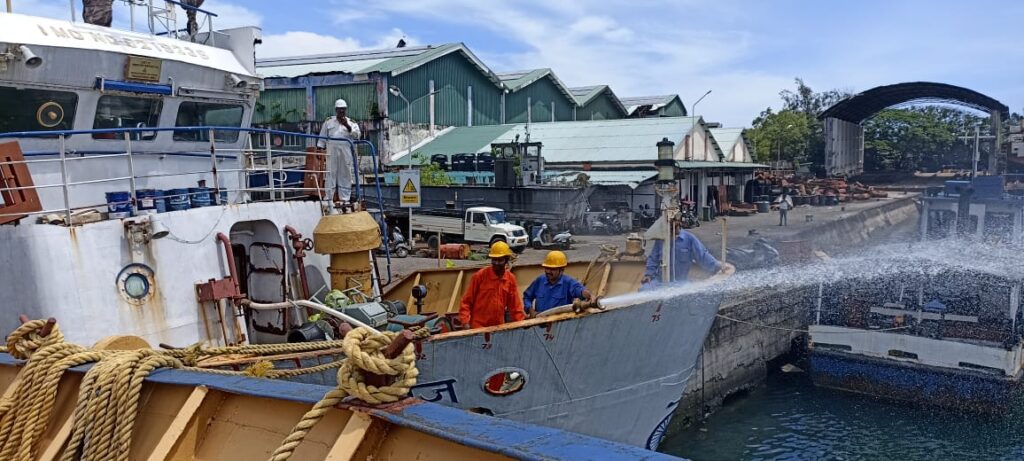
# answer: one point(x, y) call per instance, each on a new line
point(958, 390)
point(510, 438)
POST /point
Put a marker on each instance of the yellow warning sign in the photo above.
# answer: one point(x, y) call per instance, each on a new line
point(409, 196)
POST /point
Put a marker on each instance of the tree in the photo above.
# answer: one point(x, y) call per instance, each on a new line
point(805, 140)
point(781, 134)
point(431, 174)
point(919, 137)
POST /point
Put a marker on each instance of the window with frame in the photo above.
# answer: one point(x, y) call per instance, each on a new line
point(25, 109)
point(115, 111)
point(192, 113)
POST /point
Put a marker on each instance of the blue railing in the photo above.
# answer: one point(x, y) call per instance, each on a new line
point(216, 150)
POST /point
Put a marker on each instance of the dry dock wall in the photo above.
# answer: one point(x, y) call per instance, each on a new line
point(736, 352)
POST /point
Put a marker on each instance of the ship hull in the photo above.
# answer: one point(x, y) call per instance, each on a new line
point(958, 390)
point(616, 374)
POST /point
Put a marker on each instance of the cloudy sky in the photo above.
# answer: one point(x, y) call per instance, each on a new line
point(745, 52)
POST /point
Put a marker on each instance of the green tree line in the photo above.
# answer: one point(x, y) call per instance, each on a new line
point(907, 139)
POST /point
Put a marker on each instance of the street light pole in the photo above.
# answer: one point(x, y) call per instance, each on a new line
point(694, 109)
point(408, 142)
point(778, 156)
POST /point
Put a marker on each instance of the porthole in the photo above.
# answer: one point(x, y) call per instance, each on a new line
point(136, 283)
point(505, 381)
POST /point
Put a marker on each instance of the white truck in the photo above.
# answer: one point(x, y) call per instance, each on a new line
point(480, 224)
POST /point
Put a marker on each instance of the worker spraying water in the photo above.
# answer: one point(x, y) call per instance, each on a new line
point(684, 251)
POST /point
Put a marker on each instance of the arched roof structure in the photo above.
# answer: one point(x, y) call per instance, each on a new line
point(863, 105)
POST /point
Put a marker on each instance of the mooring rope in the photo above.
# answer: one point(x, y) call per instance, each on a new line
point(108, 400)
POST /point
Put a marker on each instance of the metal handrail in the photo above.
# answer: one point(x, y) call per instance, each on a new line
point(258, 164)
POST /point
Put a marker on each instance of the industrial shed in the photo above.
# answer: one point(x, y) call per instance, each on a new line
point(654, 106)
point(536, 96)
point(597, 103)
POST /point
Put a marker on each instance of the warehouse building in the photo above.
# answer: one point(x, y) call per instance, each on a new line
point(597, 102)
point(536, 96)
point(654, 106)
point(436, 86)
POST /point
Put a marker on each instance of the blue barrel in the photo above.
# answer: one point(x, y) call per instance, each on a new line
point(223, 197)
point(177, 199)
point(149, 200)
point(119, 202)
point(200, 196)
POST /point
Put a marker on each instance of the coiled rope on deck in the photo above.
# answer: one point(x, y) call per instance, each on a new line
point(108, 400)
point(364, 352)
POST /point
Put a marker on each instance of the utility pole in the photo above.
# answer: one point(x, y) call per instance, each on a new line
point(977, 137)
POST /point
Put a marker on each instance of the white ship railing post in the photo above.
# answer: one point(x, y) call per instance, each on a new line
point(131, 171)
point(64, 179)
point(270, 165)
point(248, 155)
point(213, 169)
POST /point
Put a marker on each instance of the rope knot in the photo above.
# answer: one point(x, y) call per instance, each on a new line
point(32, 336)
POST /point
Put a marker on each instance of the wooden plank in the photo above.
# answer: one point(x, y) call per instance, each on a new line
point(352, 436)
point(179, 424)
point(455, 292)
point(56, 445)
point(17, 192)
point(602, 289)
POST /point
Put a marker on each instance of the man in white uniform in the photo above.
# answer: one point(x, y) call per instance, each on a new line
point(339, 153)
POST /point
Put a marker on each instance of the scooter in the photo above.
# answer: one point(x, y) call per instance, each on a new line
point(396, 245)
point(541, 238)
point(760, 254)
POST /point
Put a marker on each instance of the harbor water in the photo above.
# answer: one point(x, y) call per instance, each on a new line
point(790, 419)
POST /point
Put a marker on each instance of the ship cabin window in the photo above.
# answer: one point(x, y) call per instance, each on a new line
point(36, 110)
point(113, 111)
point(208, 114)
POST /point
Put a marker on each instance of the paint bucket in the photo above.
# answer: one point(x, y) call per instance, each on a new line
point(150, 201)
point(199, 196)
point(177, 199)
point(223, 197)
point(119, 202)
point(763, 207)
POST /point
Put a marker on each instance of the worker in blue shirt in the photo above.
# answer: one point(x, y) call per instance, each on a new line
point(554, 288)
point(688, 250)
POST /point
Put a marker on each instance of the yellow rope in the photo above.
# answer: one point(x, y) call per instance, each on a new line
point(108, 398)
point(363, 350)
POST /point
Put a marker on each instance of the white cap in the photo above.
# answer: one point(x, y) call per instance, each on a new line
point(340, 103)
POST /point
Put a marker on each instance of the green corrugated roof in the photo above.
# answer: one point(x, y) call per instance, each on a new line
point(518, 80)
point(392, 60)
point(631, 178)
point(691, 165)
point(585, 94)
point(459, 140)
point(621, 140)
point(656, 102)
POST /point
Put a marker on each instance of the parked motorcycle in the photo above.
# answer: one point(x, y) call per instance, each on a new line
point(397, 245)
point(540, 237)
point(689, 216)
point(760, 254)
point(608, 223)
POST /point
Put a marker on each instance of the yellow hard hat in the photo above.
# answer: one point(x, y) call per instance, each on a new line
point(500, 249)
point(555, 260)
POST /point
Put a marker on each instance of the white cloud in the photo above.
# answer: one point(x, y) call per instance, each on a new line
point(296, 43)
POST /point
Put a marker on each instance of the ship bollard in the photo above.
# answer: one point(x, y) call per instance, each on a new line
point(402, 339)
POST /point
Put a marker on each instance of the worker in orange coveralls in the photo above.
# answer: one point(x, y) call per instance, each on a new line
point(493, 295)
